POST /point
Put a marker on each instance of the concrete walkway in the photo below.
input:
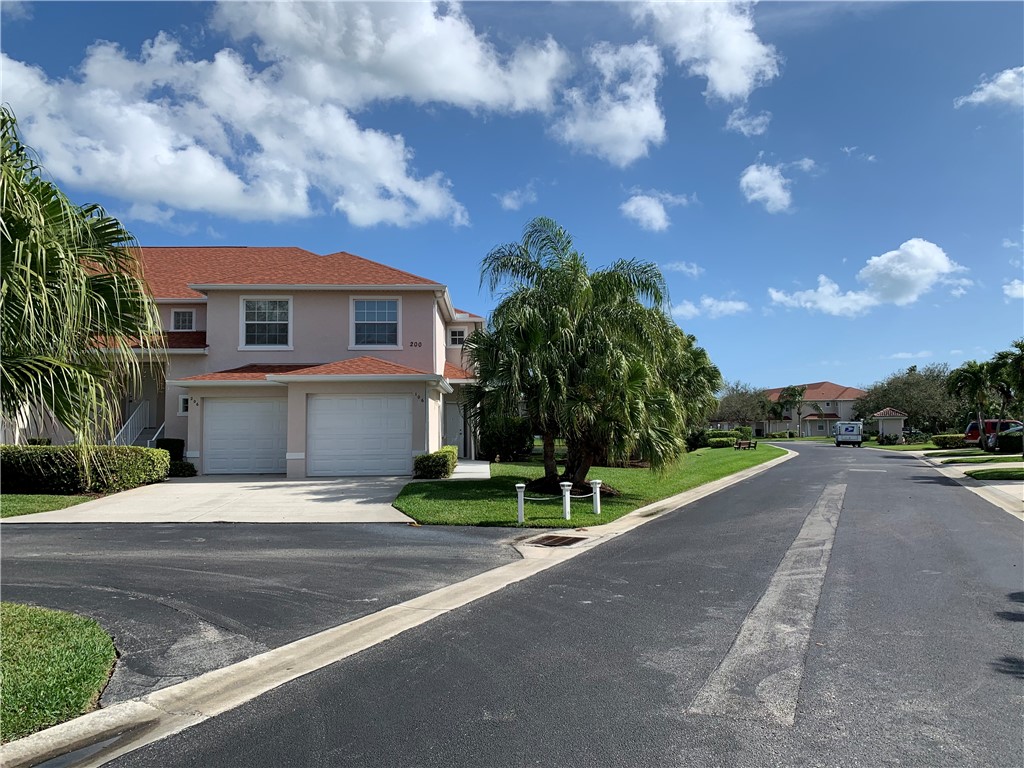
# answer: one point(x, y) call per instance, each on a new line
point(240, 499)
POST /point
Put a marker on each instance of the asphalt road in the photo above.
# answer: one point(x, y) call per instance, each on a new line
point(181, 600)
point(875, 604)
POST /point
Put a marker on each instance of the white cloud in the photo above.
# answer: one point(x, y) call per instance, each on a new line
point(357, 53)
point(1008, 243)
point(897, 277)
point(168, 132)
point(765, 184)
point(715, 41)
point(1014, 289)
point(826, 298)
point(848, 150)
point(16, 10)
point(805, 164)
point(648, 208)
point(748, 125)
point(710, 307)
point(620, 118)
point(852, 152)
point(514, 199)
point(900, 277)
point(1007, 87)
point(909, 355)
point(688, 268)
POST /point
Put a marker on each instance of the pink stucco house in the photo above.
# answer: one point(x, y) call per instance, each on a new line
point(284, 361)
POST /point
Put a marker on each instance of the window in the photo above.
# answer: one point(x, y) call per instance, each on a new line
point(265, 322)
point(183, 405)
point(183, 320)
point(456, 337)
point(375, 322)
point(828, 405)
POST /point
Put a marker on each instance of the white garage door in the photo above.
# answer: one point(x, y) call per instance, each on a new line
point(359, 435)
point(245, 435)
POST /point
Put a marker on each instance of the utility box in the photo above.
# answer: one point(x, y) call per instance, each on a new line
point(848, 433)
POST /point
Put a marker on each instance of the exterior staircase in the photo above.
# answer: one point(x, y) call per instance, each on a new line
point(145, 436)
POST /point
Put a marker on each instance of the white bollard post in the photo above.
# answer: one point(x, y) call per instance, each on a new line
point(566, 487)
point(596, 485)
point(521, 490)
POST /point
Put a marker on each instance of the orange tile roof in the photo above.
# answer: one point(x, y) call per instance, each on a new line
point(889, 413)
point(170, 270)
point(252, 372)
point(357, 366)
point(470, 315)
point(821, 390)
point(455, 372)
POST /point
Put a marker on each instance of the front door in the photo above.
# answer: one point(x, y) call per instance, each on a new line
point(455, 427)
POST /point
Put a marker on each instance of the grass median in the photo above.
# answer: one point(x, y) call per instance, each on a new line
point(996, 474)
point(15, 504)
point(493, 501)
point(54, 666)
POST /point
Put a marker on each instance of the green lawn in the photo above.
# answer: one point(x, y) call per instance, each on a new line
point(14, 504)
point(996, 474)
point(955, 453)
point(983, 460)
point(54, 666)
point(493, 502)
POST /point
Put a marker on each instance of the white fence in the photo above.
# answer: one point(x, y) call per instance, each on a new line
point(566, 498)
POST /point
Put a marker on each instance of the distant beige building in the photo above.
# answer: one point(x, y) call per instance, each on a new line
point(824, 404)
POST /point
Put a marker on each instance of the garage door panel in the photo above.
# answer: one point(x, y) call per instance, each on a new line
point(359, 435)
point(245, 435)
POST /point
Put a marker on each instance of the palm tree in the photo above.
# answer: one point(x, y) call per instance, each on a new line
point(791, 398)
point(971, 382)
point(589, 356)
point(73, 301)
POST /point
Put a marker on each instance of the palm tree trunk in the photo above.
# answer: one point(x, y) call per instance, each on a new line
point(550, 465)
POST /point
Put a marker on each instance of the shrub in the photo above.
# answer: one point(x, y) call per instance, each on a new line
point(915, 436)
point(1010, 443)
point(39, 441)
point(61, 470)
point(505, 439)
point(698, 438)
point(174, 446)
point(746, 433)
point(888, 439)
point(722, 442)
point(182, 469)
point(719, 433)
point(438, 464)
point(949, 441)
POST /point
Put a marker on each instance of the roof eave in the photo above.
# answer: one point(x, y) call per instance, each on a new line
point(206, 287)
point(222, 383)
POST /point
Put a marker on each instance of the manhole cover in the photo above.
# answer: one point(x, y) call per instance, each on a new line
point(552, 540)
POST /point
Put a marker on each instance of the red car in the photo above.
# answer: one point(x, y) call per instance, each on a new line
point(971, 433)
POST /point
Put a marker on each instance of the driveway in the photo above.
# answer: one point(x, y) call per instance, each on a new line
point(240, 499)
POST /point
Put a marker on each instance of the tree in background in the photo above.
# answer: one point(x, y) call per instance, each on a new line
point(591, 357)
point(971, 382)
point(741, 403)
point(921, 393)
point(73, 301)
point(791, 399)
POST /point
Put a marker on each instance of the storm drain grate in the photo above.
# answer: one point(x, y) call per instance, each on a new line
point(552, 540)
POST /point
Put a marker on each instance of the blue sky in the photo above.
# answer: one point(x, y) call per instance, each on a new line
point(834, 191)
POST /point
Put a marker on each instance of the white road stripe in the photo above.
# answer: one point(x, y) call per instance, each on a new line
point(759, 678)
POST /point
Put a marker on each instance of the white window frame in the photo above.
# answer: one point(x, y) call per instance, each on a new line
point(241, 322)
point(465, 335)
point(352, 323)
point(183, 401)
point(191, 312)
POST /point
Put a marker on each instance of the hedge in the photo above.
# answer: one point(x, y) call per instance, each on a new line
point(436, 465)
point(720, 433)
point(949, 441)
point(722, 442)
point(60, 469)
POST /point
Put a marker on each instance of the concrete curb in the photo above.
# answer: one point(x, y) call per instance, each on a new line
point(135, 723)
point(995, 493)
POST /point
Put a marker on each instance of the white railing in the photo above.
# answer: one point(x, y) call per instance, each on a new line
point(566, 488)
point(151, 443)
point(134, 426)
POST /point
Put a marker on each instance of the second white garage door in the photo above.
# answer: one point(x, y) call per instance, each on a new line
point(245, 436)
point(359, 435)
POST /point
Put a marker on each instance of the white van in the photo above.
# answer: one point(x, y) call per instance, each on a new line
point(848, 433)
